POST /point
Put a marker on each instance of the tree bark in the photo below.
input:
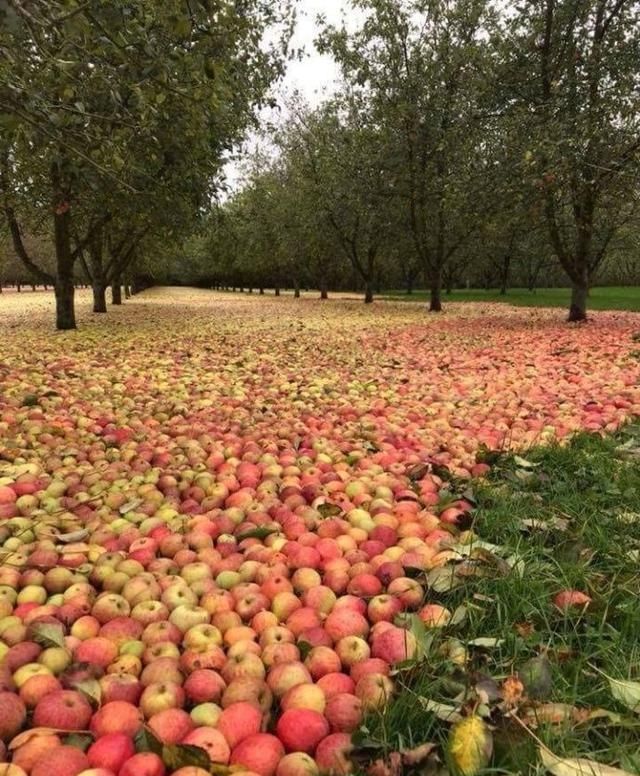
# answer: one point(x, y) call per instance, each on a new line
point(64, 287)
point(277, 292)
point(368, 291)
point(99, 297)
point(261, 291)
point(324, 291)
point(435, 286)
point(579, 295)
point(116, 292)
point(65, 313)
point(18, 287)
point(296, 289)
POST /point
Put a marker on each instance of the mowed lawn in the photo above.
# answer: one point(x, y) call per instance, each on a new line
point(609, 298)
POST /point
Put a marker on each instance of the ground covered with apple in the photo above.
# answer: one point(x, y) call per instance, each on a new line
point(290, 537)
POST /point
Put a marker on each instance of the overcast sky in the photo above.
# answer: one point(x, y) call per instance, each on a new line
point(316, 75)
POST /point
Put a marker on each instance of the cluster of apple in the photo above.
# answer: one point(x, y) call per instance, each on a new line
point(207, 534)
point(247, 607)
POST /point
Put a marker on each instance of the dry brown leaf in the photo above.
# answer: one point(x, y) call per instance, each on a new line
point(576, 766)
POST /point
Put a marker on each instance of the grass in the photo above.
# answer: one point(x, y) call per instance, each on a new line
point(585, 501)
point(610, 298)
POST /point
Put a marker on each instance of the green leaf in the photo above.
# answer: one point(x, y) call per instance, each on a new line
point(146, 741)
point(176, 756)
point(424, 636)
point(91, 689)
point(81, 741)
point(329, 510)
point(261, 532)
point(48, 634)
point(627, 692)
point(30, 400)
point(535, 674)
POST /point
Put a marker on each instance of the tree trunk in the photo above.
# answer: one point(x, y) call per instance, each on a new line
point(33, 286)
point(435, 285)
point(116, 292)
point(250, 290)
point(261, 291)
point(64, 287)
point(296, 289)
point(18, 287)
point(277, 291)
point(368, 291)
point(65, 314)
point(504, 274)
point(324, 291)
point(127, 291)
point(579, 295)
point(99, 297)
point(409, 281)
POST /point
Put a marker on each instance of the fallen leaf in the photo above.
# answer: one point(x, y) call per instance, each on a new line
point(443, 711)
point(470, 745)
point(627, 692)
point(578, 766)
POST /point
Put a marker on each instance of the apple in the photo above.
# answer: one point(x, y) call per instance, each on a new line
point(332, 754)
point(352, 650)
point(335, 683)
point(61, 761)
point(259, 753)
point(297, 764)
point(63, 710)
point(394, 645)
point(250, 689)
point(239, 720)
point(13, 714)
point(171, 725)
point(374, 690)
point(304, 696)
point(116, 717)
point(159, 696)
point(204, 685)
point(28, 753)
point(283, 676)
point(205, 714)
point(301, 730)
point(435, 616)
point(212, 741)
point(143, 764)
point(111, 752)
point(344, 712)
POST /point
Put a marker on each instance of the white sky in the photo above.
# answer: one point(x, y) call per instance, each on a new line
point(316, 75)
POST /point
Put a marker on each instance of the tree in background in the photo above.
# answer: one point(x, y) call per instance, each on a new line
point(110, 109)
point(573, 68)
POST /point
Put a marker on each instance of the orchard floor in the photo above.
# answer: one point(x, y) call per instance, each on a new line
point(205, 441)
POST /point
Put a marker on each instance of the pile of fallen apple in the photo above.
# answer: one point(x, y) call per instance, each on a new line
point(207, 538)
point(233, 607)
